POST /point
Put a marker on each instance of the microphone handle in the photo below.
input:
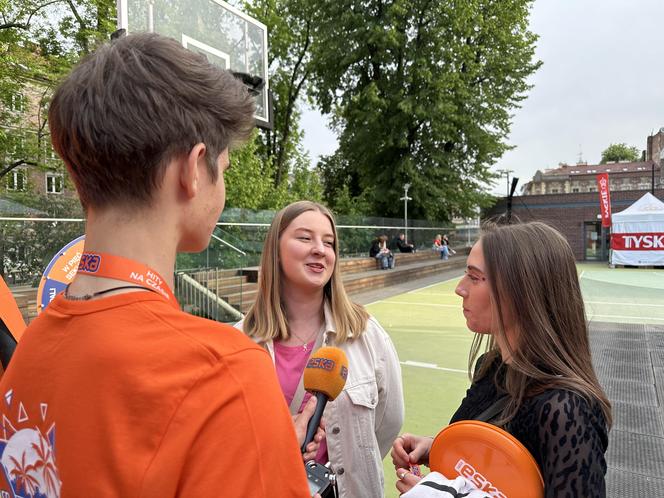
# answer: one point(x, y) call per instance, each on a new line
point(314, 421)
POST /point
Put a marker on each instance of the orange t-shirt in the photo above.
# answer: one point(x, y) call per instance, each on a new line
point(128, 397)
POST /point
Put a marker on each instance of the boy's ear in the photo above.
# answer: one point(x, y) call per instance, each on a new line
point(189, 170)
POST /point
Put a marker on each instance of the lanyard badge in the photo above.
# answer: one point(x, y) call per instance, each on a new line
point(105, 265)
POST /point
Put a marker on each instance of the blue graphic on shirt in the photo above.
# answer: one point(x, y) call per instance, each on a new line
point(27, 458)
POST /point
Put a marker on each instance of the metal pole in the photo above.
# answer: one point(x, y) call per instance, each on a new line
point(150, 17)
point(405, 200)
point(405, 218)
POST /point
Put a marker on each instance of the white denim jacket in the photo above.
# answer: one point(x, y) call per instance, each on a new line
point(363, 421)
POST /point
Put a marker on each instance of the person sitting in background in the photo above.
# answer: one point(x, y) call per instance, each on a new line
point(537, 369)
point(382, 253)
point(402, 245)
point(441, 247)
point(301, 305)
point(446, 242)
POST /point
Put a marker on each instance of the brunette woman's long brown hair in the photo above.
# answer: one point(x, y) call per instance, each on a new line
point(532, 274)
point(266, 320)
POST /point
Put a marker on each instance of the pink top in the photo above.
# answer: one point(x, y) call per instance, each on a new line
point(290, 362)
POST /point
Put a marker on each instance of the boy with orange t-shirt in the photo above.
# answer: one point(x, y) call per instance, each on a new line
point(113, 391)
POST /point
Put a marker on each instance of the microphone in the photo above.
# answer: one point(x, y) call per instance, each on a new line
point(324, 376)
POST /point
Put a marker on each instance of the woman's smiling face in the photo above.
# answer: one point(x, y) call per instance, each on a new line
point(306, 251)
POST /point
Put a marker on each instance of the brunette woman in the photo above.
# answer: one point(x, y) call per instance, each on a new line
point(521, 292)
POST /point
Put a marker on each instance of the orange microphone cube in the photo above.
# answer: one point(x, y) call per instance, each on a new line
point(326, 372)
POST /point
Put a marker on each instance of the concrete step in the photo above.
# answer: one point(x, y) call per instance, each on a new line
point(384, 278)
point(240, 297)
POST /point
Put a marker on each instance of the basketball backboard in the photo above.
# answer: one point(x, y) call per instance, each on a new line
point(225, 35)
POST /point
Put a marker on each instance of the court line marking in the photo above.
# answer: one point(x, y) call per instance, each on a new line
point(437, 305)
point(625, 304)
point(638, 318)
point(446, 294)
point(441, 334)
point(432, 285)
point(414, 290)
point(431, 366)
point(581, 276)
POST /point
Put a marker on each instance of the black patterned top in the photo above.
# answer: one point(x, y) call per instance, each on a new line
point(566, 436)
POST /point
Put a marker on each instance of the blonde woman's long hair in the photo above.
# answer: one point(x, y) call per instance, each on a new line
point(266, 319)
point(532, 273)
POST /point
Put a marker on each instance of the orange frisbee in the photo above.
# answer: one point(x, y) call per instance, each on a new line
point(489, 457)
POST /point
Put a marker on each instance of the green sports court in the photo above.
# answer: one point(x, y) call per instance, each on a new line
point(625, 308)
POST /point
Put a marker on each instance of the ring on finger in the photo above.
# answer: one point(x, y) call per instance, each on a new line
point(402, 475)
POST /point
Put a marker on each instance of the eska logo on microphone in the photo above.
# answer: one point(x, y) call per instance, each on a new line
point(322, 363)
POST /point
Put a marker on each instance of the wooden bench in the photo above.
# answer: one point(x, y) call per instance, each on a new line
point(239, 287)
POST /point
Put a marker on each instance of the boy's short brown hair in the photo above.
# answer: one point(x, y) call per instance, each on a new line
point(136, 103)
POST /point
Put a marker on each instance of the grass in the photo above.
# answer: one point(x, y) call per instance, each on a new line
point(427, 326)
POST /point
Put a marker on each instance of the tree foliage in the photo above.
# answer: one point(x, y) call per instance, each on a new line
point(619, 152)
point(422, 92)
point(249, 183)
point(39, 43)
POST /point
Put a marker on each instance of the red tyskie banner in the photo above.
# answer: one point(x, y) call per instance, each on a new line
point(650, 241)
point(604, 198)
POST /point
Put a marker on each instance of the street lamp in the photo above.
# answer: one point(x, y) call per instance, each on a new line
point(405, 200)
point(506, 172)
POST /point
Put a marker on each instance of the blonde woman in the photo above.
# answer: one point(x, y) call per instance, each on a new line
point(521, 291)
point(301, 305)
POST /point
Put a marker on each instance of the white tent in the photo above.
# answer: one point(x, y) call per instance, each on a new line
point(637, 233)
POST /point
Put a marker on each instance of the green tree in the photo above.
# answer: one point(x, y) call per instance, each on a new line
point(421, 92)
point(619, 152)
point(248, 180)
point(39, 42)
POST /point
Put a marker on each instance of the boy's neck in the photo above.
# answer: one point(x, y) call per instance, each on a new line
point(141, 236)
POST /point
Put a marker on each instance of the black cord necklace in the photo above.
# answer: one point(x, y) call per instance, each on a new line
point(87, 297)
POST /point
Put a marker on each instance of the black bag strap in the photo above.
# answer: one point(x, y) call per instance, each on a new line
point(492, 412)
point(7, 345)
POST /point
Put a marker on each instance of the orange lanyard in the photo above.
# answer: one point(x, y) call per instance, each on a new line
point(97, 264)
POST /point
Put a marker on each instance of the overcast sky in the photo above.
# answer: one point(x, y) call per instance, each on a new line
point(602, 82)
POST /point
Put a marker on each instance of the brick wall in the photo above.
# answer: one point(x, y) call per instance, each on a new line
point(568, 212)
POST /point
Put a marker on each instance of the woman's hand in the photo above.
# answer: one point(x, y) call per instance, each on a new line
point(410, 449)
point(406, 480)
point(300, 422)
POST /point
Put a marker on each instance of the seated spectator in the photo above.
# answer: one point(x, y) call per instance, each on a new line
point(380, 251)
point(440, 246)
point(402, 245)
point(447, 248)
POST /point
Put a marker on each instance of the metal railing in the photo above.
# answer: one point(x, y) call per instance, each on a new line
point(198, 300)
point(27, 245)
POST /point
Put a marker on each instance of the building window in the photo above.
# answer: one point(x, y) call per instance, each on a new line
point(16, 180)
point(575, 190)
point(16, 103)
point(592, 189)
point(47, 151)
point(554, 190)
point(54, 183)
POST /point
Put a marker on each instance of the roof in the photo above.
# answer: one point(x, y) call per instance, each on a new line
point(592, 169)
point(11, 208)
point(647, 208)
